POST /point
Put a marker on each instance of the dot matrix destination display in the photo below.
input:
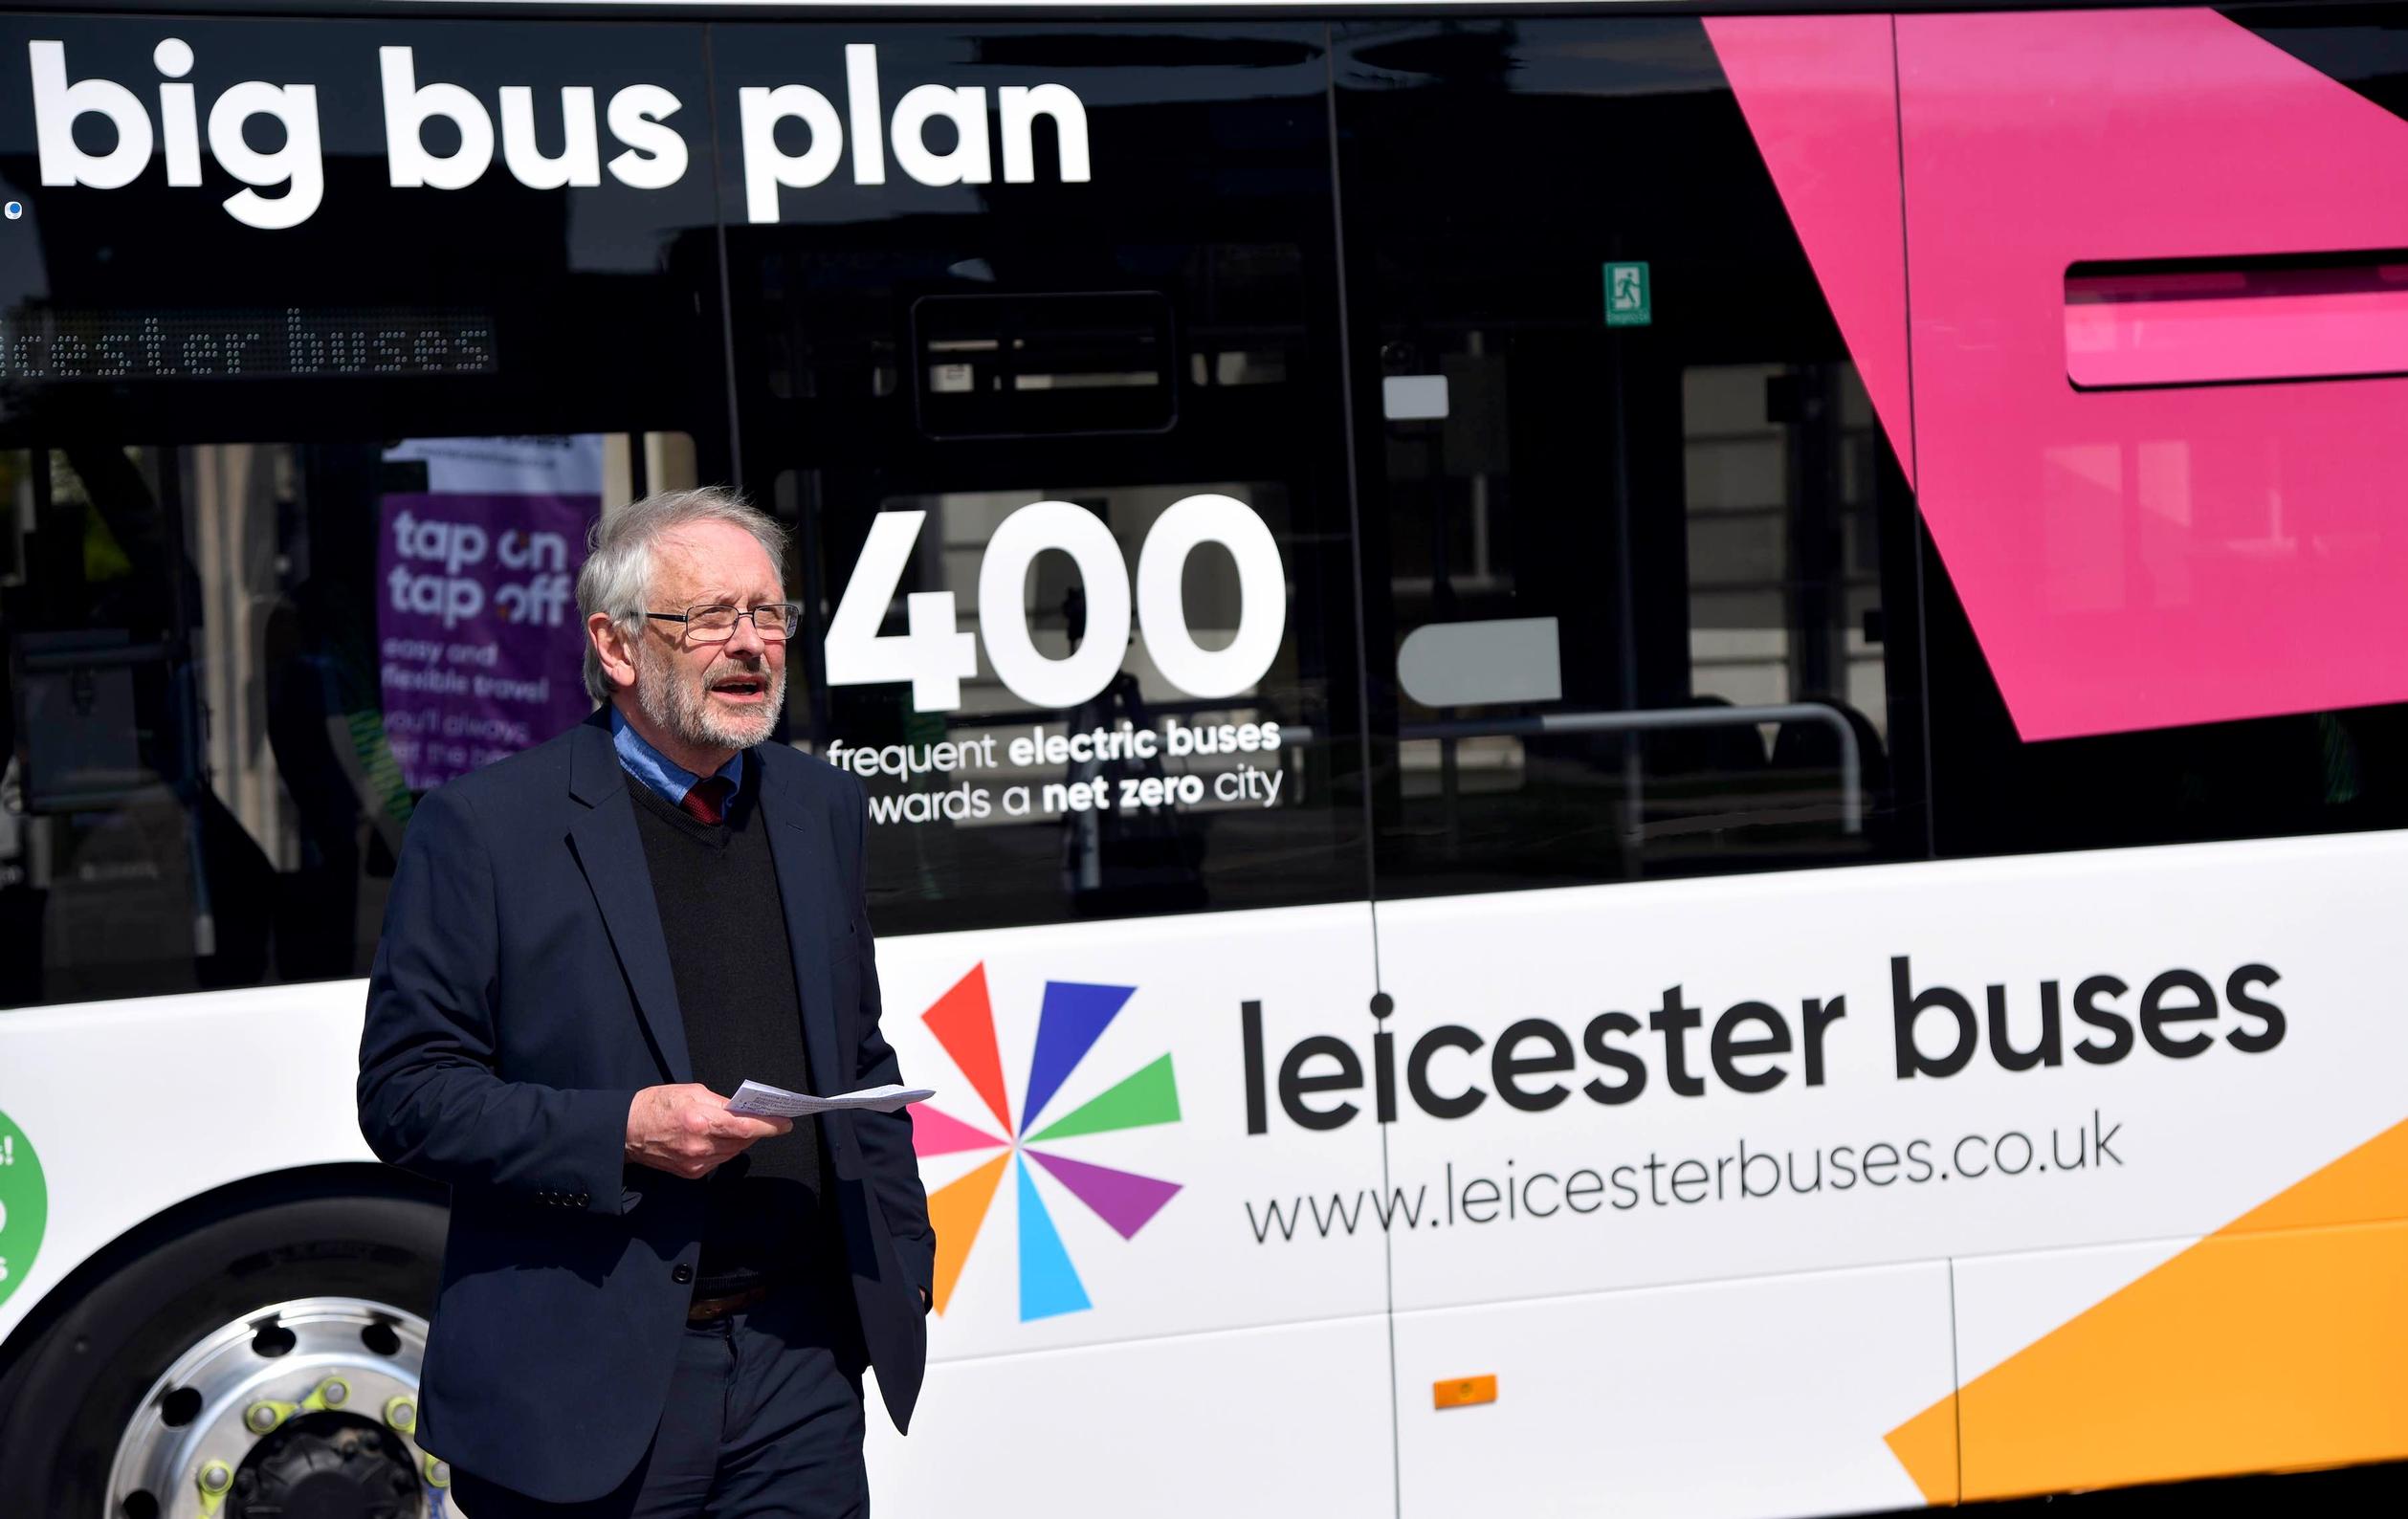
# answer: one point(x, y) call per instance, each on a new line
point(44, 345)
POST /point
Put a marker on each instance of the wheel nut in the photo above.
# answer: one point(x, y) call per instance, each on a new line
point(438, 1472)
point(217, 1477)
point(402, 1414)
point(261, 1417)
point(332, 1392)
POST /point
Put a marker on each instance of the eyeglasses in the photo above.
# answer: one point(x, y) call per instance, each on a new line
point(774, 620)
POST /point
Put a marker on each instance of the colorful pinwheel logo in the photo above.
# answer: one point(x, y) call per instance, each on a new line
point(1072, 1016)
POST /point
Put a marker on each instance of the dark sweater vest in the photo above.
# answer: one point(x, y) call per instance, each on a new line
point(724, 921)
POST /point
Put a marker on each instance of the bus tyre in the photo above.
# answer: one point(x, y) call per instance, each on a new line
point(294, 1332)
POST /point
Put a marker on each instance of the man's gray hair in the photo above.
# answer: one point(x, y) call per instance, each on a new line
point(617, 578)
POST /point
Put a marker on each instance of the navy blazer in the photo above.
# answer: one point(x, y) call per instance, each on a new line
point(521, 994)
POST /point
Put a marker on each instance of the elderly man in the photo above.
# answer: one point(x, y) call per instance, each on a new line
point(651, 1306)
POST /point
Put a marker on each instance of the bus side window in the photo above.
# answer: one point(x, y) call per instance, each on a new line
point(2165, 606)
point(1066, 466)
point(1625, 500)
point(224, 700)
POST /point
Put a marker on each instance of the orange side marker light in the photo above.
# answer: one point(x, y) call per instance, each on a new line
point(1461, 1392)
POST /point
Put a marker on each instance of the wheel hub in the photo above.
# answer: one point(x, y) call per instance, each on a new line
point(303, 1410)
point(327, 1466)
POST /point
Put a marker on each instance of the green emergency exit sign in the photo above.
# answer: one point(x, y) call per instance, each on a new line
point(1629, 300)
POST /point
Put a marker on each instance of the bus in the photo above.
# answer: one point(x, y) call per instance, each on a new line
point(1624, 758)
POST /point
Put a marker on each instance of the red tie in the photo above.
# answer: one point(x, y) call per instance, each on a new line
point(707, 801)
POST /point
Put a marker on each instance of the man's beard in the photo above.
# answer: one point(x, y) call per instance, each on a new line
point(678, 702)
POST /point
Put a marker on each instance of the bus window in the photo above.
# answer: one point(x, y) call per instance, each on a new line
point(234, 667)
point(1626, 504)
point(297, 457)
point(1064, 460)
point(2166, 608)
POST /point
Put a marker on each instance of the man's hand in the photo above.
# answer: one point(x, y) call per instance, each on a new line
point(688, 1132)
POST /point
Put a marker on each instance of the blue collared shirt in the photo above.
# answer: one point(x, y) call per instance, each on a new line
point(669, 780)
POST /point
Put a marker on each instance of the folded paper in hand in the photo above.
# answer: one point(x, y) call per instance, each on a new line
point(758, 1100)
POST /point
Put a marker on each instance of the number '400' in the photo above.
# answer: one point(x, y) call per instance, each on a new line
point(936, 656)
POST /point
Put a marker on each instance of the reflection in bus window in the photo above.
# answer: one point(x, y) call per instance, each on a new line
point(233, 667)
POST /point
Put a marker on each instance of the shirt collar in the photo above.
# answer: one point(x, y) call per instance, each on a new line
point(668, 779)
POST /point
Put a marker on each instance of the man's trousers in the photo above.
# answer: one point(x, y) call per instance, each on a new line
point(763, 1421)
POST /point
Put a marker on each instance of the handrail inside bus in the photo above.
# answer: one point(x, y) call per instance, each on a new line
point(1649, 720)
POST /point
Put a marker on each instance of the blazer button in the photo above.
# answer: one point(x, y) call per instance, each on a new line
point(683, 1274)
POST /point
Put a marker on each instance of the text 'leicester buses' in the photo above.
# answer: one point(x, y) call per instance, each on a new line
point(1752, 1047)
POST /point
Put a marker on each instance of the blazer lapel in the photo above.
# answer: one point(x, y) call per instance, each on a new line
point(611, 853)
point(805, 854)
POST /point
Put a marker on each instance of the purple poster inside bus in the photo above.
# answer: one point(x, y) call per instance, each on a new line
point(480, 651)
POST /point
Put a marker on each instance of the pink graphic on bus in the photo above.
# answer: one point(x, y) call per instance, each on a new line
point(2171, 552)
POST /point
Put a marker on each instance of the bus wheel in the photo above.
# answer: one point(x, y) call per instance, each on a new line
point(266, 1362)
